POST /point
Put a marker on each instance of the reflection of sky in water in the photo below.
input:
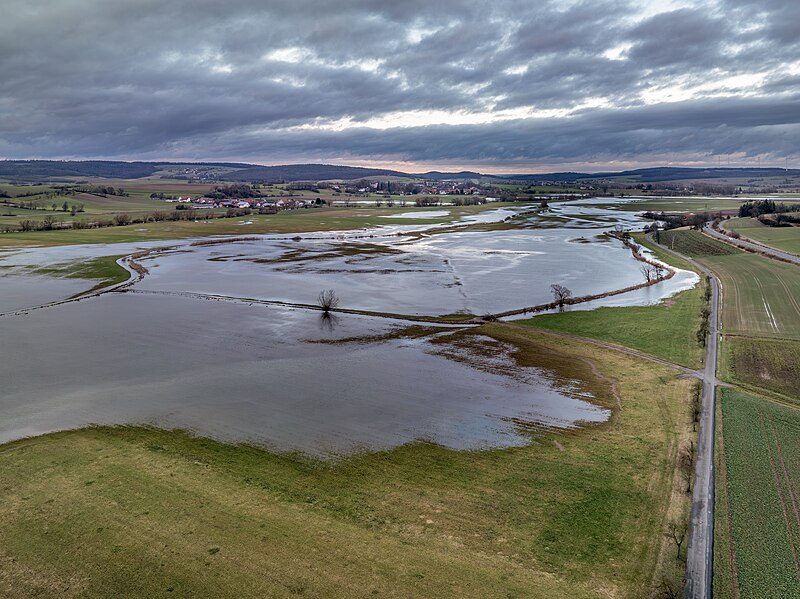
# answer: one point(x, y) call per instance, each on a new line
point(470, 271)
point(252, 373)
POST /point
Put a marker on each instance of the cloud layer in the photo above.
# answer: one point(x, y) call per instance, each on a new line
point(507, 83)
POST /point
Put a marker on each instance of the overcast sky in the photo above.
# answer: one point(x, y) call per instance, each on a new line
point(498, 86)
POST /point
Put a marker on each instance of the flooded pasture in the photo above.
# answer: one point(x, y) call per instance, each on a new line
point(260, 374)
point(243, 371)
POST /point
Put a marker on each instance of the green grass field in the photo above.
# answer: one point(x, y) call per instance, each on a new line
point(762, 483)
point(783, 238)
point(667, 330)
point(133, 512)
point(290, 221)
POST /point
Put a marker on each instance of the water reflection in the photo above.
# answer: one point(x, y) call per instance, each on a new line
point(265, 375)
point(328, 321)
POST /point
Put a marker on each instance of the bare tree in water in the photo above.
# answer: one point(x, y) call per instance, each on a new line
point(327, 300)
point(560, 295)
point(649, 271)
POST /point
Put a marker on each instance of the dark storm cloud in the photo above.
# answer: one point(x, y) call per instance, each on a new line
point(698, 128)
point(253, 79)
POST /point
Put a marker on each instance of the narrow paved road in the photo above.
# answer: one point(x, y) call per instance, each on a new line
point(700, 551)
point(758, 247)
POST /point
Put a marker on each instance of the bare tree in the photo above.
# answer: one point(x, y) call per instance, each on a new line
point(327, 300)
point(677, 534)
point(686, 463)
point(560, 295)
point(649, 271)
point(667, 589)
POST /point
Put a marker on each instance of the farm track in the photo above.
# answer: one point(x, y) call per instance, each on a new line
point(752, 246)
point(700, 549)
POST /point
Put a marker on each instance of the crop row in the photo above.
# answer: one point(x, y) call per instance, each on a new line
point(763, 472)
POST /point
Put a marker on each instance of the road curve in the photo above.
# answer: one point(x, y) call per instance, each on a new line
point(756, 247)
point(700, 549)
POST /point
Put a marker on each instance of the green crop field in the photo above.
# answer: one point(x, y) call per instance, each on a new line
point(760, 296)
point(784, 238)
point(770, 364)
point(115, 512)
point(762, 483)
point(695, 244)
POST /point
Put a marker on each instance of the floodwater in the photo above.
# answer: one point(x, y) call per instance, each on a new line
point(18, 291)
point(463, 271)
point(240, 371)
point(259, 374)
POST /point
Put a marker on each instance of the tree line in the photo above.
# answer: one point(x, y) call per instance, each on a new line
point(50, 222)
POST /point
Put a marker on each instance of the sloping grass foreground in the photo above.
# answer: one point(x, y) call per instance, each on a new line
point(138, 512)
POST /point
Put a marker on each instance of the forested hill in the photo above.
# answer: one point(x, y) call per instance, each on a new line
point(51, 169)
point(663, 173)
point(43, 170)
point(310, 172)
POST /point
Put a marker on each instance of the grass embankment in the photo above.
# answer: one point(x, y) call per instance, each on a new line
point(783, 238)
point(104, 269)
point(760, 484)
point(141, 512)
point(667, 330)
point(290, 221)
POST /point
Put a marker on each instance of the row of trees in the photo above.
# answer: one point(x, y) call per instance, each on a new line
point(51, 222)
point(759, 207)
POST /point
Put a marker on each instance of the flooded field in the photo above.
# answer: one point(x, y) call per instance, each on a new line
point(240, 371)
point(258, 374)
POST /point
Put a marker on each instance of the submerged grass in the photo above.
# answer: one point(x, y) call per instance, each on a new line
point(142, 512)
point(104, 269)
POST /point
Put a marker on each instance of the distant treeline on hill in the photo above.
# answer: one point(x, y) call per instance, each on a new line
point(31, 170)
point(37, 170)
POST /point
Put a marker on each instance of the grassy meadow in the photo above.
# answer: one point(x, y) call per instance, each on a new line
point(289, 221)
point(783, 238)
point(141, 512)
point(667, 330)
